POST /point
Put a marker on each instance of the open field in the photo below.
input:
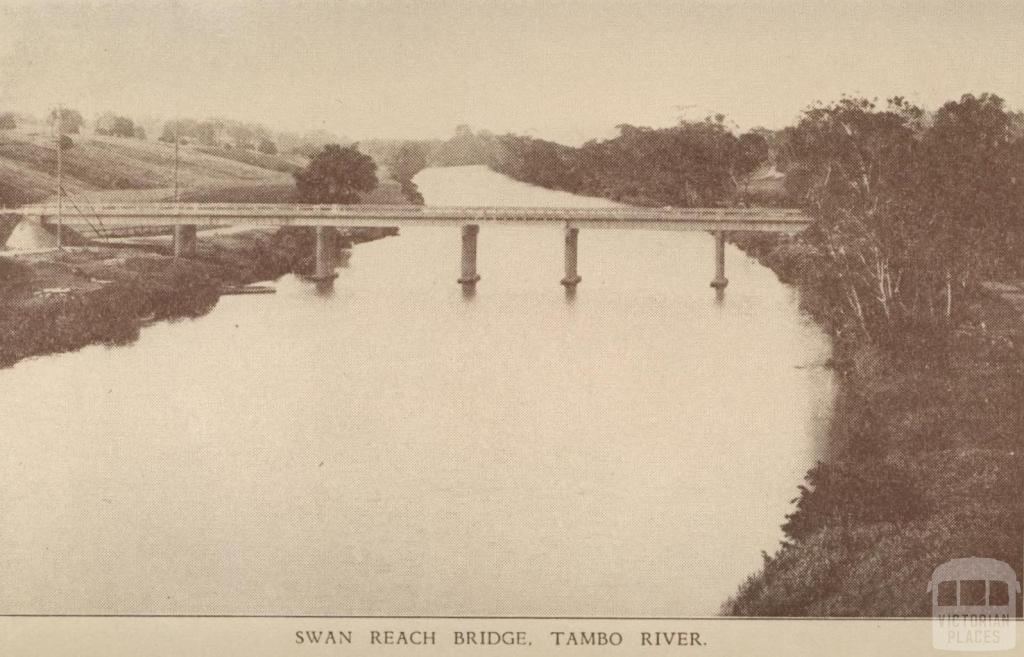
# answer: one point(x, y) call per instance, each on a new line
point(254, 158)
point(100, 169)
point(111, 166)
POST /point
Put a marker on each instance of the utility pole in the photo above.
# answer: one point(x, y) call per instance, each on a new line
point(177, 141)
point(60, 177)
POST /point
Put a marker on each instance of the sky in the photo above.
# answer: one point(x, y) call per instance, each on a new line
point(567, 71)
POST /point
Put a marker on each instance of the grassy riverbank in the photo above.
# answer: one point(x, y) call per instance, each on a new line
point(52, 303)
point(927, 461)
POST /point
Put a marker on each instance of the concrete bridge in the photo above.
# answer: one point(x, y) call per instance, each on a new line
point(187, 218)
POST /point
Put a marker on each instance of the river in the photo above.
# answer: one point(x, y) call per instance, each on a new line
point(394, 447)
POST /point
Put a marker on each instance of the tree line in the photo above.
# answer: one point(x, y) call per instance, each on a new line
point(913, 209)
point(213, 132)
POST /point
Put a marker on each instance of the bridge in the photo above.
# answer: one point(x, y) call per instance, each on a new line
point(187, 218)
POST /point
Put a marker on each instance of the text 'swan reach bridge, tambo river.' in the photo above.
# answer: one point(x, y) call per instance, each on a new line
point(187, 218)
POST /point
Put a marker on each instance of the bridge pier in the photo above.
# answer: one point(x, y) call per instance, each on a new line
point(469, 276)
point(572, 277)
point(720, 281)
point(324, 268)
point(185, 241)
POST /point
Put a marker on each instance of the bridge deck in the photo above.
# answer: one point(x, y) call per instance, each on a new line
point(619, 217)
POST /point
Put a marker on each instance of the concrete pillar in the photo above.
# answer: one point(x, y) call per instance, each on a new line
point(572, 277)
point(720, 281)
point(469, 275)
point(324, 270)
point(184, 241)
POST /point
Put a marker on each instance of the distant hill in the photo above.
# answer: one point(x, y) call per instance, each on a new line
point(109, 168)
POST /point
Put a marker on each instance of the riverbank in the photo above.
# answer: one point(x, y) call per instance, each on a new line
point(56, 302)
point(927, 461)
point(925, 454)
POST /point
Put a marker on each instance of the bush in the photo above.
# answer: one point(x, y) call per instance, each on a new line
point(267, 147)
point(848, 494)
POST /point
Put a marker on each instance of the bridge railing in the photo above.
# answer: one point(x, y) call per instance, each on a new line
point(511, 213)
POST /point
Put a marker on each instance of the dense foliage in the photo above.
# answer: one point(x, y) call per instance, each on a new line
point(696, 163)
point(914, 211)
point(113, 125)
point(70, 123)
point(336, 175)
point(404, 163)
point(913, 208)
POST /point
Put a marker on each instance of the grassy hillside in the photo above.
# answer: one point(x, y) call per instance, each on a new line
point(110, 169)
point(105, 167)
point(256, 159)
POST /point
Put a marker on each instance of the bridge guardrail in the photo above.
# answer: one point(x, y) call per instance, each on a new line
point(512, 213)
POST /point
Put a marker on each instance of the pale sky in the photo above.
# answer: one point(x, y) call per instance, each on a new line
point(559, 70)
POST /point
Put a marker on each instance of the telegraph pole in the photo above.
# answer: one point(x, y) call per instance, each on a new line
point(177, 140)
point(60, 177)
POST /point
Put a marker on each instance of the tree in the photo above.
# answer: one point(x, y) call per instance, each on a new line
point(464, 148)
point(968, 188)
point(190, 130)
point(752, 152)
point(267, 147)
point(240, 134)
point(336, 175)
point(849, 164)
point(70, 121)
point(691, 164)
point(407, 161)
point(8, 121)
point(115, 126)
point(404, 163)
point(179, 128)
point(912, 209)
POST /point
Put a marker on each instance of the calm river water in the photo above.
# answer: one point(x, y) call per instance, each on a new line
point(396, 448)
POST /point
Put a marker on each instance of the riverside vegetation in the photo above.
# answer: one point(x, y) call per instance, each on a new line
point(52, 304)
point(914, 212)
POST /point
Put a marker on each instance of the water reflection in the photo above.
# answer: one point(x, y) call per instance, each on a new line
point(392, 449)
point(324, 287)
